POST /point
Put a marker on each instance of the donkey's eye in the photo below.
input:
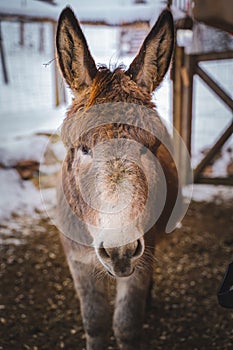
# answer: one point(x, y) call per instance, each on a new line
point(143, 149)
point(85, 150)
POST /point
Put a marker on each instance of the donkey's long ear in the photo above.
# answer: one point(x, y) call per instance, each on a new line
point(75, 60)
point(152, 62)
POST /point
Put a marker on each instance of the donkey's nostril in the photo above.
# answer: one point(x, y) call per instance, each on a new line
point(103, 252)
point(139, 249)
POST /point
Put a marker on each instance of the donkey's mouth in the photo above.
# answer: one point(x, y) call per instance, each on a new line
point(121, 274)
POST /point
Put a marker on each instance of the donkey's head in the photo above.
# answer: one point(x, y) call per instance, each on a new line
point(108, 173)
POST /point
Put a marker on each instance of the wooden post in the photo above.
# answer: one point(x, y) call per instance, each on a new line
point(177, 104)
point(21, 34)
point(2, 52)
point(41, 38)
point(180, 83)
point(182, 108)
point(187, 73)
point(60, 94)
point(177, 87)
point(57, 100)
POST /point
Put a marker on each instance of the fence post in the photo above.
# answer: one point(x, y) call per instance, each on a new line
point(187, 73)
point(177, 100)
point(60, 94)
point(21, 34)
point(2, 52)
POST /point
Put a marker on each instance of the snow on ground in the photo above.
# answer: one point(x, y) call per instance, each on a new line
point(15, 194)
point(27, 111)
point(209, 193)
point(26, 148)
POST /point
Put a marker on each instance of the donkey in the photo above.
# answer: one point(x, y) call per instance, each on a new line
point(109, 181)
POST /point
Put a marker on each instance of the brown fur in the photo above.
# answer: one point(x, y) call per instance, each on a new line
point(110, 86)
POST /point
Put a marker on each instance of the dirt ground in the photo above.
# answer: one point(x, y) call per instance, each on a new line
point(39, 308)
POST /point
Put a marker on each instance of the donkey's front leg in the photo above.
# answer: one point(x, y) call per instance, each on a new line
point(130, 310)
point(94, 306)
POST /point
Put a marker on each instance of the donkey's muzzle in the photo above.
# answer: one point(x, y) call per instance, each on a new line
point(121, 261)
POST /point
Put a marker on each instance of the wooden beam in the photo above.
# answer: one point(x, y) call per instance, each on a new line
point(226, 181)
point(214, 13)
point(24, 18)
point(213, 56)
point(29, 18)
point(215, 87)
